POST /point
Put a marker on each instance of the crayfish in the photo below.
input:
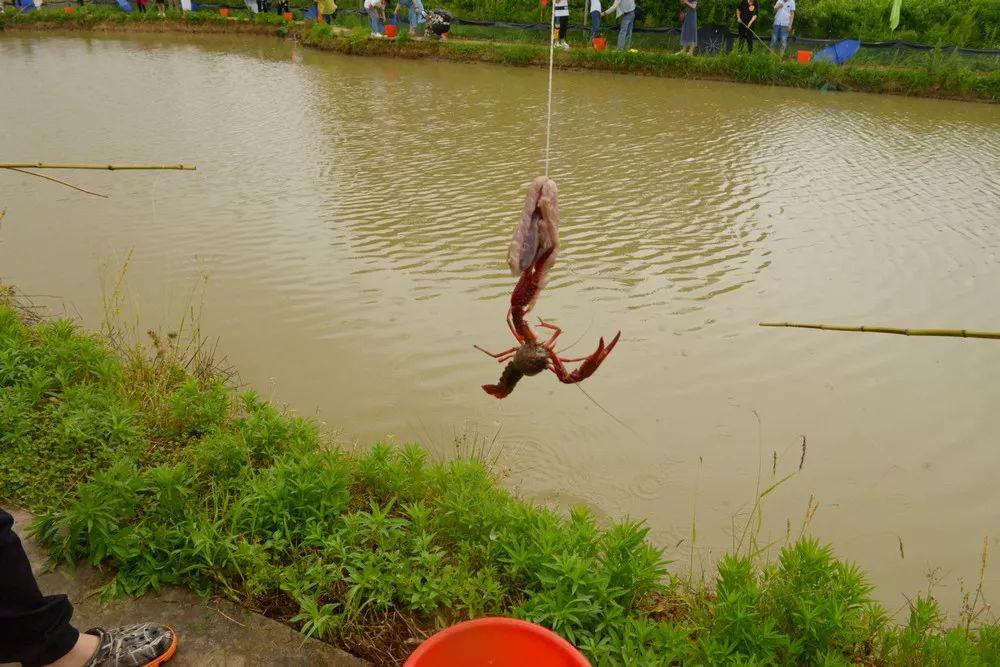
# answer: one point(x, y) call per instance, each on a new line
point(531, 255)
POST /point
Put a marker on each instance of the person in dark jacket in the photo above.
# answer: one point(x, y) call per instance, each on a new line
point(35, 630)
point(746, 17)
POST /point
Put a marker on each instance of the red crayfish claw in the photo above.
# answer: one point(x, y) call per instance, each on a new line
point(590, 363)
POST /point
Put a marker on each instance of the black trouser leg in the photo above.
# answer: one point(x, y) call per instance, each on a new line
point(34, 630)
point(563, 24)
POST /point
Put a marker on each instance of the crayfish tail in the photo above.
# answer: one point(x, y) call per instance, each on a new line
point(508, 380)
point(495, 390)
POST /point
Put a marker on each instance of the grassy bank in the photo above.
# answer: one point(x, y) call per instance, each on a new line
point(964, 23)
point(935, 76)
point(143, 459)
point(972, 23)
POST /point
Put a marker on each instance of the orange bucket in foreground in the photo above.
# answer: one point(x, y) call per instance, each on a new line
point(803, 56)
point(496, 642)
point(600, 43)
point(390, 31)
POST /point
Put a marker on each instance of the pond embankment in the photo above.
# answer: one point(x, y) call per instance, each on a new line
point(946, 78)
point(145, 460)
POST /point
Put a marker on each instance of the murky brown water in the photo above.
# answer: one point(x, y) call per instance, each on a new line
point(352, 217)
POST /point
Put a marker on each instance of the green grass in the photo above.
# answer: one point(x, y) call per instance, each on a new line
point(144, 460)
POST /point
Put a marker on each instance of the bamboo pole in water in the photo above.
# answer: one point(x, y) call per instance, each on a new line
point(91, 165)
point(952, 333)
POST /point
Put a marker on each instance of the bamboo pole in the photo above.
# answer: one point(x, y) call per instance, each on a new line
point(951, 333)
point(91, 165)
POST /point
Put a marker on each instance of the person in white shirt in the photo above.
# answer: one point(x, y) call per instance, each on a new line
point(595, 19)
point(784, 17)
point(626, 10)
point(561, 9)
point(376, 15)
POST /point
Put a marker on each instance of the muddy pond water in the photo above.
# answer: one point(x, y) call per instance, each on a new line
point(346, 232)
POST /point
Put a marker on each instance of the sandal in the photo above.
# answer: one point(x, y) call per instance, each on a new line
point(139, 645)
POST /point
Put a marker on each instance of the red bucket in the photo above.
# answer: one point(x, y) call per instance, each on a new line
point(287, 16)
point(600, 43)
point(223, 11)
point(497, 642)
point(390, 31)
point(69, 10)
point(803, 56)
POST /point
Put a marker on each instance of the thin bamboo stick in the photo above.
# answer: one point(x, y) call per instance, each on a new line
point(90, 165)
point(56, 180)
point(952, 333)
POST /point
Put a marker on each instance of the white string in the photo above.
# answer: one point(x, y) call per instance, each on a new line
point(548, 118)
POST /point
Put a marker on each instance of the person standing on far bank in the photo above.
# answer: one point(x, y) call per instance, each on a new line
point(376, 16)
point(561, 8)
point(415, 14)
point(689, 29)
point(784, 17)
point(326, 9)
point(746, 16)
point(595, 18)
point(625, 9)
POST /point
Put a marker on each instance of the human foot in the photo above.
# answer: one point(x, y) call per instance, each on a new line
point(139, 645)
point(81, 653)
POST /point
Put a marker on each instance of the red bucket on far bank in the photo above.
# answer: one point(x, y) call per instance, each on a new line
point(223, 11)
point(390, 31)
point(803, 56)
point(497, 642)
point(287, 16)
point(69, 10)
point(600, 43)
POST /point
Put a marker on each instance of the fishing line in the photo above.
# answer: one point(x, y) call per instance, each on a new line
point(582, 336)
point(605, 411)
point(56, 180)
point(548, 117)
point(548, 143)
